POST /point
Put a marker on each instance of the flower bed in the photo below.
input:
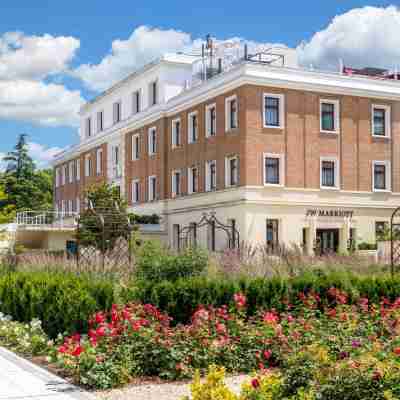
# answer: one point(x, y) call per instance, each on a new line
point(317, 342)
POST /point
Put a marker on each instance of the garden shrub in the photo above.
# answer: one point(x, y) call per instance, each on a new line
point(61, 301)
point(156, 263)
point(182, 297)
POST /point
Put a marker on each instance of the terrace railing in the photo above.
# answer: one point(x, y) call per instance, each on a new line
point(47, 219)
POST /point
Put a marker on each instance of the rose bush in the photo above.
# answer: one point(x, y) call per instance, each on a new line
point(316, 348)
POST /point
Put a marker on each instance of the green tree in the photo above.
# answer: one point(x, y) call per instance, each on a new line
point(22, 187)
point(105, 220)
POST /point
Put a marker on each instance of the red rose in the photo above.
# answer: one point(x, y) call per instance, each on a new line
point(77, 351)
point(267, 354)
point(397, 351)
point(255, 383)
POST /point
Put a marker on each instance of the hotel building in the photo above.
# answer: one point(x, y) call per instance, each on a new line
point(283, 153)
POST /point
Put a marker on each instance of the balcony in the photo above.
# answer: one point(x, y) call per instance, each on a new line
point(46, 220)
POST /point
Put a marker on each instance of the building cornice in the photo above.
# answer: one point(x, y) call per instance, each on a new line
point(246, 74)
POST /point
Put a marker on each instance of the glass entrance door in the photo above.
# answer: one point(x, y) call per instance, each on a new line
point(327, 241)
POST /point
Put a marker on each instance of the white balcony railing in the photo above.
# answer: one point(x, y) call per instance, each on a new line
point(49, 219)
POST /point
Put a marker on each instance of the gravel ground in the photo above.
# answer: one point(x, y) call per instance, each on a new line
point(161, 391)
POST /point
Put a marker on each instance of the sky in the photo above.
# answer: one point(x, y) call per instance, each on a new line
point(55, 55)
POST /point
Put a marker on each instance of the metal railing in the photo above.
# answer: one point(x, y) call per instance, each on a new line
point(50, 219)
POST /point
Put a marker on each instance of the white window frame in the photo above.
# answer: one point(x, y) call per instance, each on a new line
point(190, 179)
point(138, 103)
point(208, 119)
point(208, 175)
point(388, 120)
point(228, 113)
point(99, 161)
point(135, 191)
point(336, 176)
point(70, 206)
point(78, 204)
point(281, 158)
point(174, 122)
point(281, 98)
point(87, 165)
point(173, 183)
point(135, 146)
point(336, 115)
point(64, 175)
point(227, 171)
point(58, 177)
point(152, 142)
point(71, 172)
point(88, 127)
point(117, 116)
point(151, 195)
point(78, 169)
point(100, 121)
point(388, 175)
point(190, 127)
point(154, 101)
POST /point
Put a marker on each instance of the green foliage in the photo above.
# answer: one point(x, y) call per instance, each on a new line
point(105, 220)
point(156, 263)
point(144, 219)
point(63, 302)
point(22, 187)
point(367, 246)
point(182, 297)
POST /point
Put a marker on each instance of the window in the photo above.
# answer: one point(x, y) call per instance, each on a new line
point(231, 113)
point(78, 204)
point(78, 169)
point(211, 236)
point(152, 189)
point(211, 120)
point(381, 176)
point(99, 161)
point(176, 133)
point(273, 169)
point(71, 172)
point(176, 183)
point(381, 121)
point(193, 234)
point(64, 175)
point(153, 93)
point(100, 121)
point(380, 229)
point(274, 110)
point(231, 171)
point(136, 102)
point(193, 180)
point(211, 175)
point(135, 147)
point(176, 237)
point(116, 162)
point(88, 165)
point(192, 127)
point(152, 141)
point(63, 206)
point(233, 239)
point(117, 112)
point(70, 206)
point(88, 127)
point(58, 180)
point(272, 236)
point(329, 173)
point(329, 116)
point(135, 191)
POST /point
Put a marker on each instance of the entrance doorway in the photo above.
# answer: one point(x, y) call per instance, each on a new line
point(327, 241)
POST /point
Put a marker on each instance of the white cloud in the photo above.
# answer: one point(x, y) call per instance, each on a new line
point(39, 103)
point(144, 45)
point(35, 57)
point(367, 36)
point(41, 154)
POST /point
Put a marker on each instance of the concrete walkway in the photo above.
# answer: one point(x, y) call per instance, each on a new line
point(22, 380)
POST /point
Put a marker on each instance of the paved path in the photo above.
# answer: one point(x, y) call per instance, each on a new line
point(22, 380)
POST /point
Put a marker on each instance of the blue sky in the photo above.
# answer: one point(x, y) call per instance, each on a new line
point(54, 55)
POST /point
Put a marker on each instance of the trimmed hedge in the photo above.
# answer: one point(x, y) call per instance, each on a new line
point(181, 298)
point(63, 302)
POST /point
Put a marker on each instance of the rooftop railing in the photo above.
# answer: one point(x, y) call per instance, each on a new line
point(48, 219)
